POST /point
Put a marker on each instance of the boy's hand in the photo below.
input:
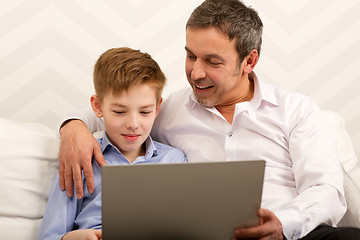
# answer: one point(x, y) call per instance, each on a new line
point(82, 234)
point(269, 228)
point(76, 150)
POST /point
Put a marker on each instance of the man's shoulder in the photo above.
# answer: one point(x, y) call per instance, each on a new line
point(285, 97)
point(179, 95)
point(174, 104)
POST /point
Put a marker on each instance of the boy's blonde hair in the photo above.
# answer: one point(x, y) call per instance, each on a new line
point(118, 69)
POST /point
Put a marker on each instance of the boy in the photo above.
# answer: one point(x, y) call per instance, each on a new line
point(128, 86)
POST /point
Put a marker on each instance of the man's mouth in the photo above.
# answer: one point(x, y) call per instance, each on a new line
point(202, 87)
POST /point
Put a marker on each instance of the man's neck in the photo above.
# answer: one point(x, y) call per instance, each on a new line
point(228, 110)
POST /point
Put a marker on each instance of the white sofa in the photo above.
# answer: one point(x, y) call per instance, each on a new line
point(28, 163)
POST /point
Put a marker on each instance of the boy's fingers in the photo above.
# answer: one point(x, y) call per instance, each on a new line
point(98, 233)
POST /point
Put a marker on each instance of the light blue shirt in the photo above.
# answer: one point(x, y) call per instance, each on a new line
point(63, 214)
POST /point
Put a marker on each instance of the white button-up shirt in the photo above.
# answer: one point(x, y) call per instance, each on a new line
point(303, 182)
point(303, 177)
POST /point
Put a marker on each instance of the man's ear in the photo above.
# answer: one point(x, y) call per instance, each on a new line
point(250, 61)
point(96, 106)
point(158, 106)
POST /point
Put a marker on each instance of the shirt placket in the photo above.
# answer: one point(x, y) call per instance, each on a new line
point(230, 144)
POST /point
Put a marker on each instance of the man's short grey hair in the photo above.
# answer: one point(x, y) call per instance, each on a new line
point(234, 19)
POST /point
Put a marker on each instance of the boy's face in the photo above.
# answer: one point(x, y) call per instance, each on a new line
point(128, 117)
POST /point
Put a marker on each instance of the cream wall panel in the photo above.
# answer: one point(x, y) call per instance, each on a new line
point(48, 49)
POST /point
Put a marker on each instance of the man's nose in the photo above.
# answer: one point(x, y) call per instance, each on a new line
point(198, 71)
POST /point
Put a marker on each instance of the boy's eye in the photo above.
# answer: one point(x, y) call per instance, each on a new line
point(145, 112)
point(118, 112)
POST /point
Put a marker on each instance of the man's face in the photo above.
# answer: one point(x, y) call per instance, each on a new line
point(129, 117)
point(212, 67)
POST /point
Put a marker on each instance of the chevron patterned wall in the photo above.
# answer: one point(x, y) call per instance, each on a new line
point(48, 49)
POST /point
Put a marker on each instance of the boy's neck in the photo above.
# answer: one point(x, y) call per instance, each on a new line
point(131, 156)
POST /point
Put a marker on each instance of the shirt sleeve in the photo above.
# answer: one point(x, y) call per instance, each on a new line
point(317, 172)
point(88, 116)
point(59, 214)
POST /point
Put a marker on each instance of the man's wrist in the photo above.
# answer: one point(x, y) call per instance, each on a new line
point(68, 121)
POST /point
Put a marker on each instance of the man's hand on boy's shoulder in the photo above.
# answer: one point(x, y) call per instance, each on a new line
point(76, 151)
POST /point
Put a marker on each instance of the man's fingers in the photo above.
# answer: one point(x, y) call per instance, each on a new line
point(87, 167)
point(252, 232)
point(89, 176)
point(270, 227)
point(264, 215)
point(77, 177)
point(99, 157)
point(61, 175)
point(69, 181)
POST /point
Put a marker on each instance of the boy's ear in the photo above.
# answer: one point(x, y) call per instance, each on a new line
point(158, 106)
point(250, 61)
point(96, 106)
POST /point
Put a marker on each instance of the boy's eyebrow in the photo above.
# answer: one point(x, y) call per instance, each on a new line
point(147, 106)
point(117, 105)
point(124, 106)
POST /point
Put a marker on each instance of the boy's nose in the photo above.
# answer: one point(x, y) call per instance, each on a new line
point(132, 122)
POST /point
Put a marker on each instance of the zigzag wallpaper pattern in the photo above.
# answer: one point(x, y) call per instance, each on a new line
point(48, 49)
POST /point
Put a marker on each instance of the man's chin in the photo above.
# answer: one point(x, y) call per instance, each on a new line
point(204, 102)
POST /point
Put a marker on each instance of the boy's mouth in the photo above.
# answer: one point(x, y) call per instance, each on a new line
point(131, 137)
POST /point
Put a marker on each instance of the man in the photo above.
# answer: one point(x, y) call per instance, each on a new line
point(228, 114)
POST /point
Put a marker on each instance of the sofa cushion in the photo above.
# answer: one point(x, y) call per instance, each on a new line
point(351, 169)
point(29, 162)
point(345, 149)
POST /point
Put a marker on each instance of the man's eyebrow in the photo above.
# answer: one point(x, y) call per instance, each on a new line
point(188, 50)
point(216, 56)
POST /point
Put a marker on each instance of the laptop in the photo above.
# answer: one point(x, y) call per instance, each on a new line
point(187, 201)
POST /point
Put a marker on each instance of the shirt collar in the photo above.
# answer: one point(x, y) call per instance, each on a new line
point(262, 92)
point(151, 150)
point(265, 90)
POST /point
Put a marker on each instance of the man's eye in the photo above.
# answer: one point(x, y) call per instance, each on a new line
point(191, 57)
point(214, 63)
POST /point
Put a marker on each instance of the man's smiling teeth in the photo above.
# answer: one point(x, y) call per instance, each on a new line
point(202, 87)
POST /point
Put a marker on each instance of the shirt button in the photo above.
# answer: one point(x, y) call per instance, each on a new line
point(293, 236)
point(230, 134)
